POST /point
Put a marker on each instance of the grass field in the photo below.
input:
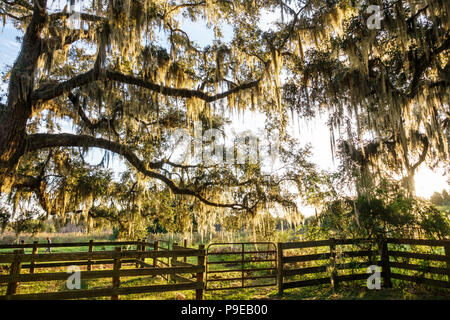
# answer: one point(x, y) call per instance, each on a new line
point(9, 238)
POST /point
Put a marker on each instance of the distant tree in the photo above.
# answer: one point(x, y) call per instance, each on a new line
point(435, 223)
point(28, 222)
point(396, 216)
point(156, 228)
point(5, 217)
point(440, 199)
point(282, 224)
point(445, 195)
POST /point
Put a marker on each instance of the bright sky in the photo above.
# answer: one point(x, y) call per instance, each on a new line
point(315, 131)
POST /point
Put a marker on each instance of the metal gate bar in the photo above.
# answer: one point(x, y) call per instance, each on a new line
point(262, 256)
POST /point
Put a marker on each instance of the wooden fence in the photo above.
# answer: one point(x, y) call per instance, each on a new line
point(330, 265)
point(424, 268)
point(116, 257)
point(91, 246)
point(175, 262)
point(310, 263)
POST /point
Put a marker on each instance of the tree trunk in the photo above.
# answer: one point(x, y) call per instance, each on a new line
point(12, 144)
point(13, 119)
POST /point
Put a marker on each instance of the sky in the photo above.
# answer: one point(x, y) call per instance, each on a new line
point(313, 131)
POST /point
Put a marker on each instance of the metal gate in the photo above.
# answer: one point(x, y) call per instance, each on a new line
point(241, 265)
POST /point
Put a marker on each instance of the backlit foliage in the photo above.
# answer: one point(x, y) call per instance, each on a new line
point(131, 74)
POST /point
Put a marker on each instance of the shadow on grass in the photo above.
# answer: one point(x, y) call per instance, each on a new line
point(358, 292)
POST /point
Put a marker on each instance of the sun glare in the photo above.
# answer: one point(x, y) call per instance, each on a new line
point(428, 182)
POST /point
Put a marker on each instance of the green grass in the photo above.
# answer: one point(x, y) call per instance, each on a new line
point(357, 291)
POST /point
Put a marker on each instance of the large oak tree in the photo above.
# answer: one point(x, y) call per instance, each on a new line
point(125, 78)
point(131, 72)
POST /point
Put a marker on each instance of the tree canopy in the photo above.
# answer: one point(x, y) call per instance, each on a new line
point(128, 75)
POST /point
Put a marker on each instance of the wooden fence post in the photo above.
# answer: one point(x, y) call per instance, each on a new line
point(143, 249)
point(33, 252)
point(16, 266)
point(386, 268)
point(138, 248)
point(447, 254)
point(370, 256)
point(280, 268)
point(185, 245)
point(155, 259)
point(116, 277)
point(91, 249)
point(243, 265)
point(200, 263)
point(334, 281)
point(171, 263)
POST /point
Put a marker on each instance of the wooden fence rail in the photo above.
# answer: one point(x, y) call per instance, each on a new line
point(69, 244)
point(184, 263)
point(91, 245)
point(116, 258)
point(383, 257)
